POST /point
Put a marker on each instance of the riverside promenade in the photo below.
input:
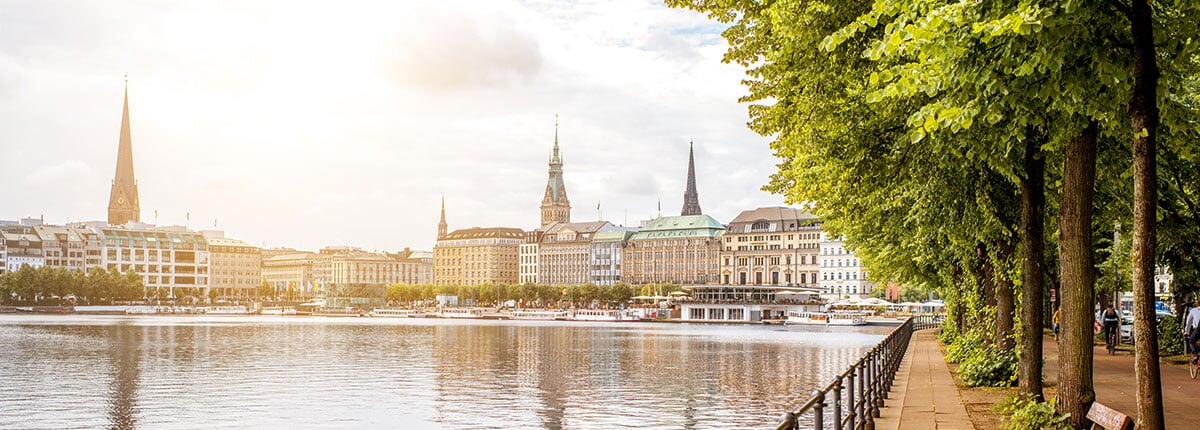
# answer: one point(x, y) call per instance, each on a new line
point(925, 396)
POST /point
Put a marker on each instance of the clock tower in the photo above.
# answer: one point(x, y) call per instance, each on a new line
point(123, 205)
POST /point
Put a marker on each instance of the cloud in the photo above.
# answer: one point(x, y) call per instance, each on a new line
point(64, 173)
point(444, 49)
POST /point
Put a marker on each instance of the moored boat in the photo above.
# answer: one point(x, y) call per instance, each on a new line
point(278, 310)
point(847, 318)
point(228, 310)
point(393, 313)
point(602, 315)
point(807, 318)
point(539, 314)
point(460, 313)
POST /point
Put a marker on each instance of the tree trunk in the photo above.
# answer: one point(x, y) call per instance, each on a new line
point(1143, 113)
point(960, 301)
point(1033, 202)
point(1005, 307)
point(1075, 392)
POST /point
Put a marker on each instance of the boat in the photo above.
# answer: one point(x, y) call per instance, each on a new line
point(393, 313)
point(847, 318)
point(539, 314)
point(807, 318)
point(461, 313)
point(228, 310)
point(278, 310)
point(602, 315)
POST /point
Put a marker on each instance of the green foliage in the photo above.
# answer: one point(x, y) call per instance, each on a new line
point(988, 367)
point(580, 295)
point(1170, 335)
point(44, 284)
point(1026, 414)
point(964, 346)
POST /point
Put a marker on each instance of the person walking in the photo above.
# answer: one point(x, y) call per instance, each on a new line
point(1055, 321)
point(1191, 330)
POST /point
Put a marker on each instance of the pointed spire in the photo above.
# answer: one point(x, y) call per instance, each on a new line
point(442, 226)
point(691, 199)
point(123, 204)
point(555, 206)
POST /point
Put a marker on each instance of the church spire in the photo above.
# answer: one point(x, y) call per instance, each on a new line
point(442, 226)
point(123, 204)
point(555, 206)
point(691, 199)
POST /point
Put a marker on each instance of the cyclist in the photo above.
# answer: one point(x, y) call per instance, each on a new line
point(1112, 326)
point(1191, 330)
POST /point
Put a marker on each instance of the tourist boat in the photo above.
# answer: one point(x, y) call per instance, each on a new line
point(847, 318)
point(539, 314)
point(393, 313)
point(461, 313)
point(141, 310)
point(279, 310)
point(602, 315)
point(228, 310)
point(807, 318)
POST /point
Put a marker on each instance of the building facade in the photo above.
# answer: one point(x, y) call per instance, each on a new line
point(477, 256)
point(605, 255)
point(564, 252)
point(171, 263)
point(235, 268)
point(771, 246)
point(23, 248)
point(528, 257)
point(295, 274)
point(674, 249)
point(842, 273)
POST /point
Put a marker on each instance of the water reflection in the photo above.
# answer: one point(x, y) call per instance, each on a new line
point(336, 373)
point(122, 400)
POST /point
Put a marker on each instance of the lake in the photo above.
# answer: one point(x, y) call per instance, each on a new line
point(165, 372)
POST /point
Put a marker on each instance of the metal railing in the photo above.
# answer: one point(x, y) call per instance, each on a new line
point(856, 394)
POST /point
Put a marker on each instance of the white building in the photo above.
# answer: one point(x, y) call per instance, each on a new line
point(528, 267)
point(22, 249)
point(606, 250)
point(841, 272)
point(172, 262)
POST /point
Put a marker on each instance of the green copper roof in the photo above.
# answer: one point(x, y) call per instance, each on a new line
point(612, 236)
point(689, 226)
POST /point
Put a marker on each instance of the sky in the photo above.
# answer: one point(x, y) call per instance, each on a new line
point(296, 124)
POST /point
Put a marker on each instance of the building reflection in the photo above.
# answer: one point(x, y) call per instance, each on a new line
point(123, 391)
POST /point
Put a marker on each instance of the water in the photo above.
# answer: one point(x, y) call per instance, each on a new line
point(151, 372)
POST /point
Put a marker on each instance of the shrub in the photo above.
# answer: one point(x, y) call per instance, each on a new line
point(1026, 414)
point(964, 345)
point(1170, 336)
point(988, 367)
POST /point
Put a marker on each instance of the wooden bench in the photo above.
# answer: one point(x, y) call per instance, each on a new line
point(1108, 418)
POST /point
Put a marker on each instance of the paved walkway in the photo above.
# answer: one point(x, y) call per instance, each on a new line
point(923, 395)
point(1112, 376)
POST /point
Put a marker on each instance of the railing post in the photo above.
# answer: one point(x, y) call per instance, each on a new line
point(860, 409)
point(788, 421)
point(819, 411)
point(837, 403)
point(877, 386)
point(850, 399)
point(869, 393)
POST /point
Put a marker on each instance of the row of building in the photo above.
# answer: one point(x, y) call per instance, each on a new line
point(173, 261)
point(770, 246)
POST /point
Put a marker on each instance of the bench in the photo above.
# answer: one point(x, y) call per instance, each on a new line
point(1108, 418)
